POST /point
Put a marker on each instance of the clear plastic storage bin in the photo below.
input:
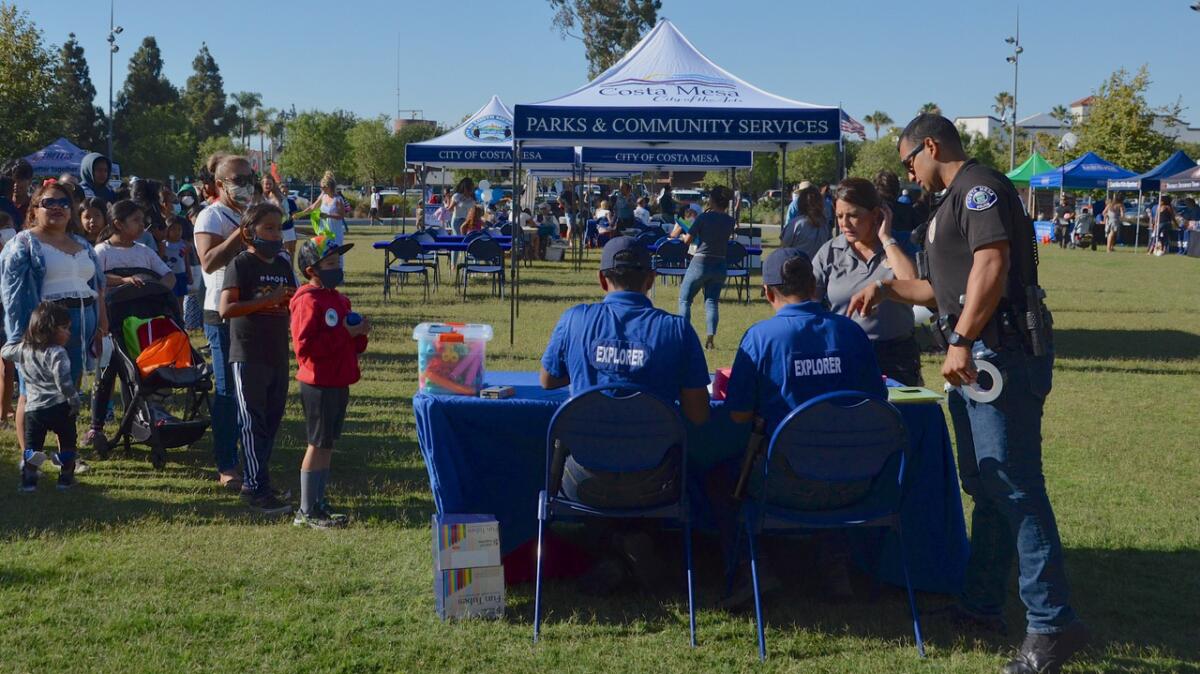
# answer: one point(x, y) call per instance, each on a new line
point(451, 357)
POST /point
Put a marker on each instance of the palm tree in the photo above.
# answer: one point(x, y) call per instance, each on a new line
point(877, 119)
point(245, 102)
point(263, 117)
point(1062, 114)
point(1004, 101)
point(930, 109)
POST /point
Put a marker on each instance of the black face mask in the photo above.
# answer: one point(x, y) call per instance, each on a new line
point(267, 248)
point(330, 278)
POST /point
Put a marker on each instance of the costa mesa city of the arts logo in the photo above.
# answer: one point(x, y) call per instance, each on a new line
point(490, 129)
point(680, 87)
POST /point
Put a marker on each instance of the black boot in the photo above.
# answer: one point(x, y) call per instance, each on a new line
point(1048, 652)
point(66, 475)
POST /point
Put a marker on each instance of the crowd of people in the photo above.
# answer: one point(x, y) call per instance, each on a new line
point(226, 250)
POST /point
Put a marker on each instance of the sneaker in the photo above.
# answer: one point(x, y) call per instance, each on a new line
point(317, 520)
point(266, 503)
point(81, 466)
point(325, 510)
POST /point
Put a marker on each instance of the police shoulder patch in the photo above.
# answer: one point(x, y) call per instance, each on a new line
point(981, 198)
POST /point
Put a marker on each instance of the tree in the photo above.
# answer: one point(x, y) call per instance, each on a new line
point(877, 119)
point(27, 119)
point(375, 152)
point(204, 98)
point(264, 118)
point(211, 146)
point(316, 143)
point(1062, 114)
point(1120, 125)
point(607, 28)
point(878, 155)
point(930, 109)
point(1004, 102)
point(160, 142)
point(815, 163)
point(986, 151)
point(245, 102)
point(81, 120)
point(145, 88)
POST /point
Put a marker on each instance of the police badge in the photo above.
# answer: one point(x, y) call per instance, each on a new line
point(981, 198)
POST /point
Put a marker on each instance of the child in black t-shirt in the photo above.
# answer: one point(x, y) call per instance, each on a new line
point(258, 285)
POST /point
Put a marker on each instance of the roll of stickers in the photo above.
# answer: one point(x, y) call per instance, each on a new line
point(976, 392)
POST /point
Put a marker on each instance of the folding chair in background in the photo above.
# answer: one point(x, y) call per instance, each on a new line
point(623, 431)
point(484, 256)
point(406, 255)
point(735, 262)
point(839, 438)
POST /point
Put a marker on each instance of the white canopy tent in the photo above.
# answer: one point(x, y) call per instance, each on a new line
point(665, 94)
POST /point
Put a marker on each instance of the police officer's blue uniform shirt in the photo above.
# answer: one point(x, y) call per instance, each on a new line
point(625, 339)
point(801, 352)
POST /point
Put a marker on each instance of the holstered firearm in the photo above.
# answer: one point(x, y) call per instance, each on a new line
point(755, 446)
point(1033, 319)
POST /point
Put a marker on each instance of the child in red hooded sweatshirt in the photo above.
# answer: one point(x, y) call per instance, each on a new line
point(327, 337)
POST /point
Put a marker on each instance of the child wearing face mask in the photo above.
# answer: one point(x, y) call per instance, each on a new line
point(327, 338)
point(257, 287)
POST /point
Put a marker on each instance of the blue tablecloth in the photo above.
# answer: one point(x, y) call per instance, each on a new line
point(489, 456)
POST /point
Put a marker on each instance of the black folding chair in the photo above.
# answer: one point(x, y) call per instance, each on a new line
point(406, 254)
point(736, 271)
point(484, 256)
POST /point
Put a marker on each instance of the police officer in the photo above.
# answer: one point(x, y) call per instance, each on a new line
point(626, 340)
point(982, 274)
point(801, 352)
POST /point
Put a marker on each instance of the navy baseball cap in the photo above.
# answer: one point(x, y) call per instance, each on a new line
point(772, 269)
point(624, 252)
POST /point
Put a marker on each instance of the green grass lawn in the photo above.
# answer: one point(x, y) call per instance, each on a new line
point(141, 570)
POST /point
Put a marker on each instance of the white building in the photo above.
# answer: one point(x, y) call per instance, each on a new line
point(983, 125)
point(991, 127)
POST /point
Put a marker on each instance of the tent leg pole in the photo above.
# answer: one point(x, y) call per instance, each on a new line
point(514, 246)
point(1137, 221)
point(782, 201)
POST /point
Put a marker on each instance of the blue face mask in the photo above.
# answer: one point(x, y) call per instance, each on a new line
point(266, 247)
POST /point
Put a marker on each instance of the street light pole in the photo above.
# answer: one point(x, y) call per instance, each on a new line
point(113, 32)
point(1015, 59)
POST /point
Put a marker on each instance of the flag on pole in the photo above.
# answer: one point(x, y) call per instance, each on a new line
point(851, 125)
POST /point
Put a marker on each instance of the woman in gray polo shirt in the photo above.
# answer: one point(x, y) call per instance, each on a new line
point(865, 252)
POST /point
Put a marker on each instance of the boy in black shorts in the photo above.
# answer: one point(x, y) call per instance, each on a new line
point(327, 337)
point(258, 284)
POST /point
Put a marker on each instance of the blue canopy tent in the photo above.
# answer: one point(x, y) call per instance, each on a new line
point(1150, 181)
point(1184, 181)
point(1089, 172)
point(482, 141)
point(665, 95)
point(61, 156)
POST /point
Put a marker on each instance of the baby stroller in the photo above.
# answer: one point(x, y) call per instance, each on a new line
point(166, 407)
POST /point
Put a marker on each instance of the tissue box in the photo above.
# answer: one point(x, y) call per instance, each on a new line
point(465, 541)
point(469, 593)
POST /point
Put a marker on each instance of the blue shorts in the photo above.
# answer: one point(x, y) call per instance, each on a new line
point(181, 284)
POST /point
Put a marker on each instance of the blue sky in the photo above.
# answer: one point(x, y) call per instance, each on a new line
point(867, 55)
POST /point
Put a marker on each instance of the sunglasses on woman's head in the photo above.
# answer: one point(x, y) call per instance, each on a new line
point(51, 202)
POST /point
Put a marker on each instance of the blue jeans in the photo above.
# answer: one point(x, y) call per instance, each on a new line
point(1000, 463)
point(709, 274)
point(224, 408)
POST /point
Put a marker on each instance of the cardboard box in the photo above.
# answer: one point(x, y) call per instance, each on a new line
point(465, 541)
point(469, 593)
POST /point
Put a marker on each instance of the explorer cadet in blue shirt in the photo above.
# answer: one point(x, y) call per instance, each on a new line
point(801, 352)
point(626, 340)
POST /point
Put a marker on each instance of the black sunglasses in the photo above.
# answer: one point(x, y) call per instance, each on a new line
point(51, 202)
point(908, 160)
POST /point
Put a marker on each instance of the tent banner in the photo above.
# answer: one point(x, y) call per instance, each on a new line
point(597, 156)
point(1183, 185)
point(437, 155)
point(815, 125)
point(1124, 184)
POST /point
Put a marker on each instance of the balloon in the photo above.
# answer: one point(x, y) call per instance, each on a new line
point(478, 194)
point(487, 196)
point(485, 184)
point(558, 187)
